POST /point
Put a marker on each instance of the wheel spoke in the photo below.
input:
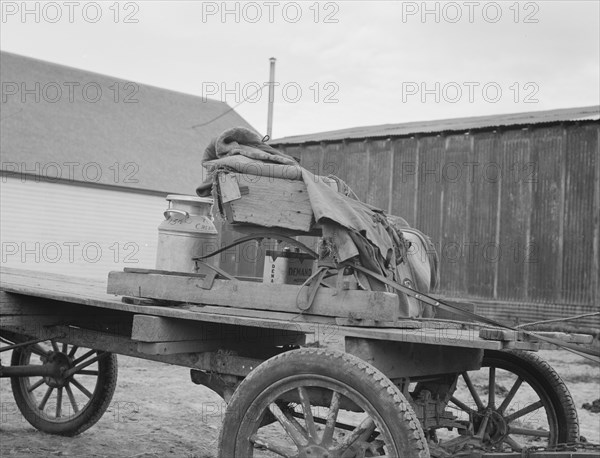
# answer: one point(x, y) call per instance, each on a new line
point(472, 390)
point(529, 432)
point(87, 372)
point(35, 385)
point(510, 395)
point(492, 388)
point(289, 414)
point(59, 394)
point(74, 349)
point(308, 416)
point(461, 405)
point(55, 346)
point(64, 348)
point(366, 428)
point(84, 356)
point(78, 368)
point(282, 451)
point(334, 409)
point(295, 434)
point(81, 388)
point(513, 444)
point(45, 398)
point(72, 398)
point(483, 426)
point(523, 411)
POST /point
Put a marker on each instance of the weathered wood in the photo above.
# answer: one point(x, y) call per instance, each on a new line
point(270, 202)
point(448, 315)
point(172, 348)
point(509, 335)
point(154, 329)
point(401, 359)
point(375, 305)
point(91, 295)
point(218, 362)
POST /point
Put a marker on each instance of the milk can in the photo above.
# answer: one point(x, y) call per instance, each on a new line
point(187, 231)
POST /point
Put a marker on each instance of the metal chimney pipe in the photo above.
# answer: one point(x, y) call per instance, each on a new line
point(271, 96)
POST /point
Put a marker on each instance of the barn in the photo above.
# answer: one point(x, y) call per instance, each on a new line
point(512, 202)
point(87, 161)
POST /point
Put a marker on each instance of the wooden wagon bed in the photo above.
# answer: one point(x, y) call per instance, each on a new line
point(46, 299)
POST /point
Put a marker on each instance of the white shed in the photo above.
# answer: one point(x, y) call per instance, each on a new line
point(87, 161)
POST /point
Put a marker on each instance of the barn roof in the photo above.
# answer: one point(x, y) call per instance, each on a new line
point(154, 143)
point(446, 125)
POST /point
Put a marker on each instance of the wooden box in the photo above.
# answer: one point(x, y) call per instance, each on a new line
point(264, 201)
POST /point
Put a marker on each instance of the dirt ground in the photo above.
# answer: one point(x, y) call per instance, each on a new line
point(158, 412)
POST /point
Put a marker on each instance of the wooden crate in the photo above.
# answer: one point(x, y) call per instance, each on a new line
point(264, 201)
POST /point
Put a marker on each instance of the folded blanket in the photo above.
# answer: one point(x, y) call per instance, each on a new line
point(240, 141)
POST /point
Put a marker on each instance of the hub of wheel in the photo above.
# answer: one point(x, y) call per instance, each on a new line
point(497, 428)
point(61, 363)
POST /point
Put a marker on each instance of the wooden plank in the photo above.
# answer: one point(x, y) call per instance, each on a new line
point(379, 182)
point(374, 305)
point(483, 237)
point(546, 170)
point(447, 315)
point(579, 226)
point(288, 203)
point(172, 348)
point(509, 335)
point(515, 216)
point(218, 362)
point(251, 313)
point(37, 284)
point(455, 215)
point(148, 328)
point(401, 359)
point(405, 179)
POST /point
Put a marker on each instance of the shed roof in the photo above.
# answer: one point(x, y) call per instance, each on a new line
point(445, 125)
point(141, 137)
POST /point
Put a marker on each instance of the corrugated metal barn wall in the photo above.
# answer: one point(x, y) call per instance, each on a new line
point(514, 213)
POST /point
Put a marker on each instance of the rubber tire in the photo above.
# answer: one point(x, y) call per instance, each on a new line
point(87, 416)
point(376, 388)
point(543, 379)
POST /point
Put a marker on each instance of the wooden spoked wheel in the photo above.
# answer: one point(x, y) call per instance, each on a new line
point(70, 404)
point(515, 401)
point(314, 403)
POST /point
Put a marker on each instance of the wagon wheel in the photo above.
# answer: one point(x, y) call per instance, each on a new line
point(66, 405)
point(515, 401)
point(314, 403)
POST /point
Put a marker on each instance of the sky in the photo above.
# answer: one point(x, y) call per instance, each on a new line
point(339, 64)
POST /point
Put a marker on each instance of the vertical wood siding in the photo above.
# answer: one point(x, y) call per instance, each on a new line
point(514, 213)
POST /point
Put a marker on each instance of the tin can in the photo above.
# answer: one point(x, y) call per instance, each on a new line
point(289, 267)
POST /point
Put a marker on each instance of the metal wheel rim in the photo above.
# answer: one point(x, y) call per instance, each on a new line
point(249, 423)
point(522, 377)
point(64, 399)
